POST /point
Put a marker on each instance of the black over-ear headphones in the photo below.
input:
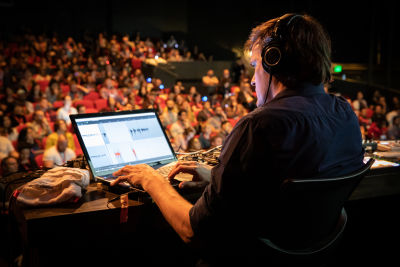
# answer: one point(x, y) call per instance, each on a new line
point(272, 53)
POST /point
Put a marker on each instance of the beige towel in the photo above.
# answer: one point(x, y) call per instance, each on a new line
point(57, 185)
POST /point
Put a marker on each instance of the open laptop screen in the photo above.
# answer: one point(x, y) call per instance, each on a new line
point(113, 140)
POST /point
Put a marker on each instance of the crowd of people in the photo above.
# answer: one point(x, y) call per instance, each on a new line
point(379, 117)
point(44, 80)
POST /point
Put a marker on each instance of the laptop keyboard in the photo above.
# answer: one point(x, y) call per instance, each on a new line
point(166, 169)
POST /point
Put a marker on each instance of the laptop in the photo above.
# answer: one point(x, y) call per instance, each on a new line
point(112, 140)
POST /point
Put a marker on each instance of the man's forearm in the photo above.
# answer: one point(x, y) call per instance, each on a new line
point(173, 206)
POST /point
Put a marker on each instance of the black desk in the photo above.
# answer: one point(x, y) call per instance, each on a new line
point(379, 182)
point(89, 233)
point(92, 230)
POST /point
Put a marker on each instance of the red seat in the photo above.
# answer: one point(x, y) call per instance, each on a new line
point(92, 96)
point(58, 104)
point(91, 110)
point(39, 160)
point(20, 127)
point(86, 103)
point(43, 85)
point(64, 89)
point(101, 104)
point(43, 144)
point(136, 63)
point(15, 144)
point(78, 149)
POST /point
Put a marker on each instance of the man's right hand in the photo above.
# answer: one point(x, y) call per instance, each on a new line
point(201, 174)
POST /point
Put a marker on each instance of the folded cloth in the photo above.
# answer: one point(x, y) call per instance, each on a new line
point(57, 185)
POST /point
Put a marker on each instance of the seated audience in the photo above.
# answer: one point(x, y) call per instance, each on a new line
point(60, 128)
point(58, 154)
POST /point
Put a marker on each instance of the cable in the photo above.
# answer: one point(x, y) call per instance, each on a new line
point(199, 151)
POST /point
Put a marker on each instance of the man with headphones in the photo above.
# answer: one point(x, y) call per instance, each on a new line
point(297, 131)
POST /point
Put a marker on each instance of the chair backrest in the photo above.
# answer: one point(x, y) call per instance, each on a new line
point(39, 160)
point(311, 209)
point(100, 104)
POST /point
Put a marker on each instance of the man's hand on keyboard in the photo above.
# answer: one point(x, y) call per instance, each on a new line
point(136, 175)
point(201, 174)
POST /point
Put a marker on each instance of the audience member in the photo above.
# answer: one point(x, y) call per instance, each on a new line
point(26, 138)
point(169, 114)
point(226, 129)
point(6, 147)
point(66, 110)
point(7, 128)
point(225, 84)
point(194, 144)
point(58, 154)
point(210, 82)
point(182, 130)
point(359, 103)
point(60, 128)
point(112, 70)
point(216, 120)
point(26, 161)
point(40, 126)
point(205, 136)
point(393, 132)
point(9, 165)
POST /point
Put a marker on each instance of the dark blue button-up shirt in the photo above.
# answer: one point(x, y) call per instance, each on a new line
point(302, 133)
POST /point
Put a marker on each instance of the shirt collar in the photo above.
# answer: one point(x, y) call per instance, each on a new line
point(305, 89)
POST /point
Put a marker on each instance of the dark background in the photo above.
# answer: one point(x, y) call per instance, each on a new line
point(361, 31)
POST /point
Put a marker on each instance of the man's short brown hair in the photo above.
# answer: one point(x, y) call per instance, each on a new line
point(306, 48)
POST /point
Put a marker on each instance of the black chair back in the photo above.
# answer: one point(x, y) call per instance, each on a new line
point(312, 214)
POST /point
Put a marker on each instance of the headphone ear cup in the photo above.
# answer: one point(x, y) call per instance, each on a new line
point(271, 55)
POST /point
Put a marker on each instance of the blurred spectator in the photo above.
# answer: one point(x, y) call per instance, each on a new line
point(66, 110)
point(58, 154)
point(390, 115)
point(23, 102)
point(26, 162)
point(359, 103)
point(26, 138)
point(182, 130)
point(206, 113)
point(35, 94)
point(81, 109)
point(216, 120)
point(364, 119)
point(210, 82)
point(205, 136)
point(40, 126)
point(7, 128)
point(378, 116)
point(60, 128)
point(233, 109)
point(6, 147)
point(194, 144)
point(246, 98)
point(18, 117)
point(169, 114)
point(394, 104)
point(393, 132)
point(53, 93)
point(375, 97)
point(226, 129)
point(46, 107)
point(9, 165)
point(216, 140)
point(225, 84)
